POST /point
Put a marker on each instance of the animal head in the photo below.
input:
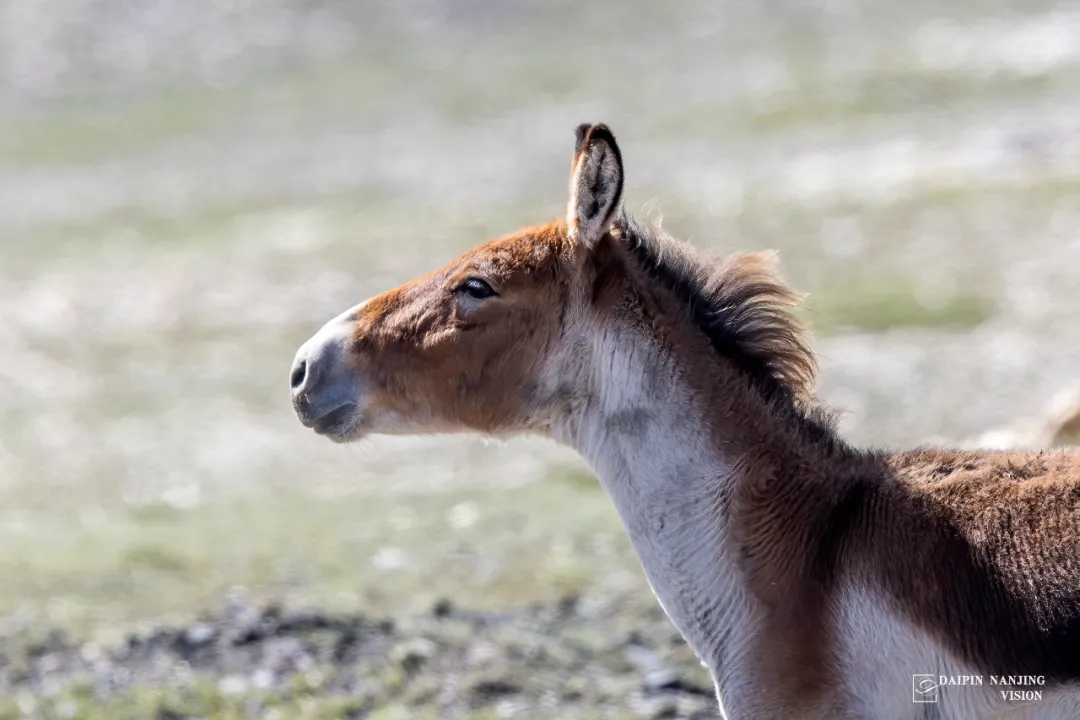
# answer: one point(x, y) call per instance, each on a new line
point(515, 334)
point(463, 347)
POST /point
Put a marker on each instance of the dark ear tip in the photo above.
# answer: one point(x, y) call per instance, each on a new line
point(601, 131)
point(581, 132)
point(586, 132)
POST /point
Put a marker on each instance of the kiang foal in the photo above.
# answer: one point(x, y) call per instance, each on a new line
point(813, 579)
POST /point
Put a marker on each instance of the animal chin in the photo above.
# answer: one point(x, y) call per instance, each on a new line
point(341, 425)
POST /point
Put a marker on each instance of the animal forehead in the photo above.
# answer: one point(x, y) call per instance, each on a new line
point(525, 250)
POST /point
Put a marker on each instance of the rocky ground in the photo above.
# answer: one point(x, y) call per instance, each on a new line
point(570, 659)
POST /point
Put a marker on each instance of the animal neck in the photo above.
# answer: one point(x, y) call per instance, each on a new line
point(672, 443)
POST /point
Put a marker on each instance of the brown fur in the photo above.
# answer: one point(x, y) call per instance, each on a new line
point(428, 354)
point(1007, 527)
point(977, 549)
point(768, 420)
point(739, 302)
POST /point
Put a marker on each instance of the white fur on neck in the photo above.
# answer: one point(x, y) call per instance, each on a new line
point(647, 440)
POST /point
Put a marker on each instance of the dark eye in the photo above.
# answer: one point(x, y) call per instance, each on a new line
point(476, 288)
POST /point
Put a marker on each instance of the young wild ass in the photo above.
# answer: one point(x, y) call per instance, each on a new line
point(813, 579)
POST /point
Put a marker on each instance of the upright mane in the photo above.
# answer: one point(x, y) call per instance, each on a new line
point(745, 311)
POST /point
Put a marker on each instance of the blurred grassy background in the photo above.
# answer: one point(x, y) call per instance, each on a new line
point(189, 188)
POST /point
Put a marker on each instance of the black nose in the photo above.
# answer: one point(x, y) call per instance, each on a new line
point(304, 382)
point(323, 389)
point(299, 374)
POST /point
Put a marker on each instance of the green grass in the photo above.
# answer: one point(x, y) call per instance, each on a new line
point(206, 700)
point(816, 99)
point(876, 303)
point(199, 699)
point(358, 88)
point(383, 553)
point(1069, 436)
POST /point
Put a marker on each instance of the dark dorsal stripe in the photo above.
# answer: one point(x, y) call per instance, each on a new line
point(726, 319)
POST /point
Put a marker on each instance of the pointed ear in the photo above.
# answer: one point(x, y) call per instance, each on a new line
point(596, 184)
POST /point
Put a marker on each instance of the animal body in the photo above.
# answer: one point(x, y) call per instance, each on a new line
point(813, 579)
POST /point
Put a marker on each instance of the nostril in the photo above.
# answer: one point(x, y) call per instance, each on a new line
point(299, 374)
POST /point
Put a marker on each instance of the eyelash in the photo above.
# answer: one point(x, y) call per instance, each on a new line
point(477, 289)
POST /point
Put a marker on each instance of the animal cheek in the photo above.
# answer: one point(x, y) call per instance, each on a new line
point(380, 389)
point(467, 384)
point(468, 317)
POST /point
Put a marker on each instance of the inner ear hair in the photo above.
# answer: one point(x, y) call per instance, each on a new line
point(596, 183)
